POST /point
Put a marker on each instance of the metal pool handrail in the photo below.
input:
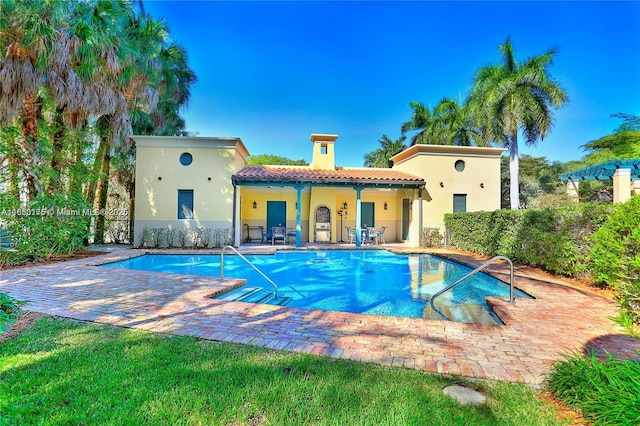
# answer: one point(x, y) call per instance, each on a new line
point(275, 287)
point(475, 271)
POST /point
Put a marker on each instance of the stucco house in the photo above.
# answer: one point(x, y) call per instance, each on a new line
point(205, 183)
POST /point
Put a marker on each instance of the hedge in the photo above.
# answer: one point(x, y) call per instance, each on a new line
point(615, 258)
point(557, 240)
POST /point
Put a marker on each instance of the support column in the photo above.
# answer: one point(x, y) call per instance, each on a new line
point(420, 217)
point(621, 185)
point(635, 186)
point(298, 216)
point(358, 218)
point(573, 186)
point(236, 230)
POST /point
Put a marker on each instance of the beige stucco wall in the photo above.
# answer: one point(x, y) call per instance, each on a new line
point(159, 176)
point(479, 181)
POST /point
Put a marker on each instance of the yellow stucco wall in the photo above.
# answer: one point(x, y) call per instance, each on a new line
point(258, 216)
point(333, 198)
point(159, 176)
point(479, 181)
point(324, 155)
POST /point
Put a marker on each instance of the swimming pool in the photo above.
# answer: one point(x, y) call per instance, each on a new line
point(375, 282)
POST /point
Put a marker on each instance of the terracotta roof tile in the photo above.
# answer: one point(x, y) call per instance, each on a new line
point(340, 175)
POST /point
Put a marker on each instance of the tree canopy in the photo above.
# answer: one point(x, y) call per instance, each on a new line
point(381, 157)
point(77, 79)
point(273, 160)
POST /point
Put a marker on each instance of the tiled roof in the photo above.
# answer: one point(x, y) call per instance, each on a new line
point(338, 176)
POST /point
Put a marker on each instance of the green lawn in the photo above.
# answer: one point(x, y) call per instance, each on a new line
point(65, 372)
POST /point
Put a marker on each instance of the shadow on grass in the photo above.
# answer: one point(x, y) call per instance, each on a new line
point(71, 372)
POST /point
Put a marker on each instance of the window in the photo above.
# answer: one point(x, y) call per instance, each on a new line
point(323, 148)
point(185, 203)
point(186, 158)
point(459, 165)
point(459, 203)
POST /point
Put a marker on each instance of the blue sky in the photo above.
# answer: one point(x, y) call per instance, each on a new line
point(272, 73)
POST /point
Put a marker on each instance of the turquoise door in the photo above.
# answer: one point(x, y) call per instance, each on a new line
point(276, 214)
point(367, 214)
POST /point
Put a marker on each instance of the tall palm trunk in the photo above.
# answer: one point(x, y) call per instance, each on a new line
point(75, 181)
point(31, 112)
point(514, 170)
point(14, 169)
point(97, 165)
point(102, 191)
point(55, 182)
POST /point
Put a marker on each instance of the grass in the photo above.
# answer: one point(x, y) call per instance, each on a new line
point(66, 372)
point(608, 393)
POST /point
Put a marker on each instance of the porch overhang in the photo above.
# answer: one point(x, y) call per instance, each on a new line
point(300, 178)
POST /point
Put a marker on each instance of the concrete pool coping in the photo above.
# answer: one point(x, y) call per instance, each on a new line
point(561, 320)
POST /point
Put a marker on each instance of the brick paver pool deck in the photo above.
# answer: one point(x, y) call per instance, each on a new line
point(562, 319)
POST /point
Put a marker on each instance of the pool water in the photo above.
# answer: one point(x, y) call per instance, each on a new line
point(375, 282)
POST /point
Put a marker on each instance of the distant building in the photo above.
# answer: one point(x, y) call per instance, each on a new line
point(198, 182)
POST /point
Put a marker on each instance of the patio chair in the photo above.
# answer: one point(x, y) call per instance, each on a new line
point(372, 235)
point(351, 234)
point(278, 233)
point(381, 235)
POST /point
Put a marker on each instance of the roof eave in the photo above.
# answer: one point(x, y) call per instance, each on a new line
point(329, 182)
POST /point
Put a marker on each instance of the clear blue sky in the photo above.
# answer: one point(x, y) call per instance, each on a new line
point(272, 73)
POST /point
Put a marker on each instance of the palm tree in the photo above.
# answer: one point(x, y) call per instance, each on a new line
point(422, 119)
point(388, 148)
point(174, 88)
point(516, 97)
point(457, 123)
point(28, 31)
point(447, 124)
point(60, 51)
point(135, 89)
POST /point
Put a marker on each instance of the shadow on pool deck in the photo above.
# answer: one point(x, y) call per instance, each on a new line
point(561, 320)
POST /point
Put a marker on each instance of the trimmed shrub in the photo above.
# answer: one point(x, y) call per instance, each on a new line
point(551, 239)
point(431, 237)
point(615, 257)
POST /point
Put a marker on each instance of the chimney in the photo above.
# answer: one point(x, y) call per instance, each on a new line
point(324, 157)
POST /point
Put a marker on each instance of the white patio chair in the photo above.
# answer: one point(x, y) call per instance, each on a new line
point(372, 235)
point(351, 234)
point(381, 235)
point(278, 233)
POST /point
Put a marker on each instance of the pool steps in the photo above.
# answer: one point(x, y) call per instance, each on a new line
point(254, 295)
point(469, 313)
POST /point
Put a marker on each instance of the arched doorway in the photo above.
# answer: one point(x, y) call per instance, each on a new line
point(322, 228)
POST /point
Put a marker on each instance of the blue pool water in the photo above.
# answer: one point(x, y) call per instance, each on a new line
point(374, 282)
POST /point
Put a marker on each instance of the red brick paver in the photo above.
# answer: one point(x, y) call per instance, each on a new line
point(561, 319)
